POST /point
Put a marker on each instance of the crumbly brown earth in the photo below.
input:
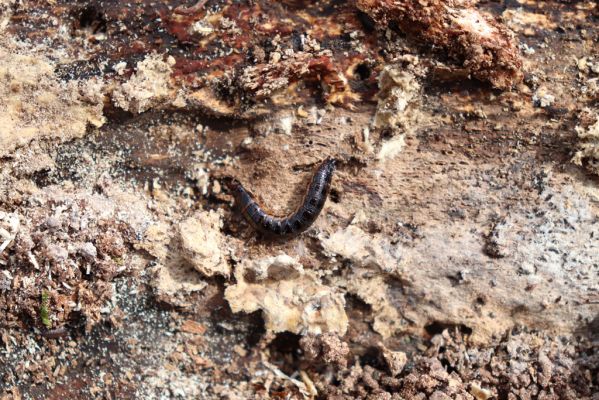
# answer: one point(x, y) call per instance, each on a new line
point(457, 256)
point(483, 46)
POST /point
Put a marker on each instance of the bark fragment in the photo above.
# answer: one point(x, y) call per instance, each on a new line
point(478, 42)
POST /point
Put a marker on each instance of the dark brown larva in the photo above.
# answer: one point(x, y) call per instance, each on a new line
point(298, 221)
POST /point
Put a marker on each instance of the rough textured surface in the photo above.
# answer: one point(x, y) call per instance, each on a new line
point(72, 245)
point(203, 245)
point(588, 152)
point(290, 298)
point(455, 258)
point(36, 104)
point(484, 47)
point(147, 88)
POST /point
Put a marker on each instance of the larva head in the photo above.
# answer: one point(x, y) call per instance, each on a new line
point(330, 164)
point(235, 188)
point(231, 185)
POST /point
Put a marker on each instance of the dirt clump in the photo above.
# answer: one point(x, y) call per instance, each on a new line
point(480, 44)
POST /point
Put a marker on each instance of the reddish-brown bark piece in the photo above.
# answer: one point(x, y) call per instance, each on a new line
point(484, 46)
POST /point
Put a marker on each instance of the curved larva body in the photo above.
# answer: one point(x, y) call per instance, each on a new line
point(298, 221)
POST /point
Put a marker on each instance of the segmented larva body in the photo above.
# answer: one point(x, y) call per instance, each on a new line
point(298, 221)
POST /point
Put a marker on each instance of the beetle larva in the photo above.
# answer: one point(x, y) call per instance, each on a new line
point(298, 221)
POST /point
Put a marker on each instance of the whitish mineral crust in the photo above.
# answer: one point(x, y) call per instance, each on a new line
point(148, 87)
point(291, 298)
point(202, 243)
point(397, 110)
point(363, 250)
point(36, 104)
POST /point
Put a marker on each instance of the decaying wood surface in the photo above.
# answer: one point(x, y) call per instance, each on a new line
point(456, 257)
